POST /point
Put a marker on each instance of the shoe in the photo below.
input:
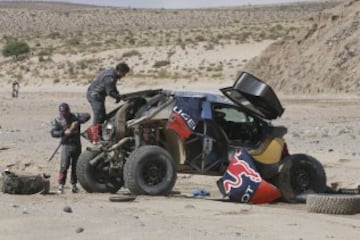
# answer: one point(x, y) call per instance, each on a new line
point(74, 188)
point(60, 189)
point(94, 133)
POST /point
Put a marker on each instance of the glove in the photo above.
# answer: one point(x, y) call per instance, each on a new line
point(67, 132)
point(73, 129)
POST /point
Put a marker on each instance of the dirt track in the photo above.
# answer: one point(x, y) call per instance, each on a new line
point(315, 127)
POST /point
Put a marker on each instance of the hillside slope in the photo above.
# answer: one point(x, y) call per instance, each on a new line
point(324, 58)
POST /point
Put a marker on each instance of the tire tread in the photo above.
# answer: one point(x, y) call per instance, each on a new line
point(333, 203)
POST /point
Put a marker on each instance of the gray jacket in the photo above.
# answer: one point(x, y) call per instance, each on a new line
point(60, 124)
point(104, 85)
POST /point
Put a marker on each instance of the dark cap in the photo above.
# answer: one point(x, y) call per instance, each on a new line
point(64, 109)
point(122, 67)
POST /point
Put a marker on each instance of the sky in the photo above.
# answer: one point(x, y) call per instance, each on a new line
point(176, 3)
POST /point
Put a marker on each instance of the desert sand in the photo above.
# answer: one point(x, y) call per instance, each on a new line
point(322, 125)
point(324, 128)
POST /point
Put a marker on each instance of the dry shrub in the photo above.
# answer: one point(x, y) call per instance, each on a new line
point(131, 53)
point(15, 48)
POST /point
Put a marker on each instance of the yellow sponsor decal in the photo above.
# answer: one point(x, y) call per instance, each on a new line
point(269, 152)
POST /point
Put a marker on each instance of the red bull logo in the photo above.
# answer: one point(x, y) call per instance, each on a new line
point(237, 169)
point(243, 183)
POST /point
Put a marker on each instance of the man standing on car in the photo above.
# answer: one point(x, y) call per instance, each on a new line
point(67, 127)
point(103, 85)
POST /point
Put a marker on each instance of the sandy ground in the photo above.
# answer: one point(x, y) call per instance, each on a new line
point(326, 128)
point(323, 126)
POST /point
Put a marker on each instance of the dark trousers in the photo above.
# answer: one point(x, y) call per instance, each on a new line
point(15, 93)
point(98, 108)
point(69, 155)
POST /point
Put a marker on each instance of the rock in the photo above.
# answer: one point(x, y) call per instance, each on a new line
point(67, 209)
point(79, 230)
point(189, 206)
point(295, 135)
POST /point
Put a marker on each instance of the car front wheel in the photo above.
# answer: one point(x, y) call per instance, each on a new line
point(96, 178)
point(150, 170)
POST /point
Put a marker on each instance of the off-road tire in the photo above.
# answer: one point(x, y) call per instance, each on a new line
point(300, 174)
point(87, 176)
point(150, 170)
point(333, 203)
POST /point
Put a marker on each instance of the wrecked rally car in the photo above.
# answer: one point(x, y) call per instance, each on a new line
point(155, 134)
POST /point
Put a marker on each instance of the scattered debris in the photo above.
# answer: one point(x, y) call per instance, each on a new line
point(79, 230)
point(201, 193)
point(189, 206)
point(67, 209)
point(122, 198)
point(24, 184)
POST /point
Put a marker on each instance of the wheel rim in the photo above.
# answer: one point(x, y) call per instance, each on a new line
point(153, 172)
point(303, 179)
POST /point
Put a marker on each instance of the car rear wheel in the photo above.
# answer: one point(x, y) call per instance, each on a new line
point(96, 178)
point(300, 174)
point(150, 170)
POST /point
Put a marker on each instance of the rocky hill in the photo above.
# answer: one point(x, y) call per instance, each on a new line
point(323, 58)
point(70, 43)
point(23, 18)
